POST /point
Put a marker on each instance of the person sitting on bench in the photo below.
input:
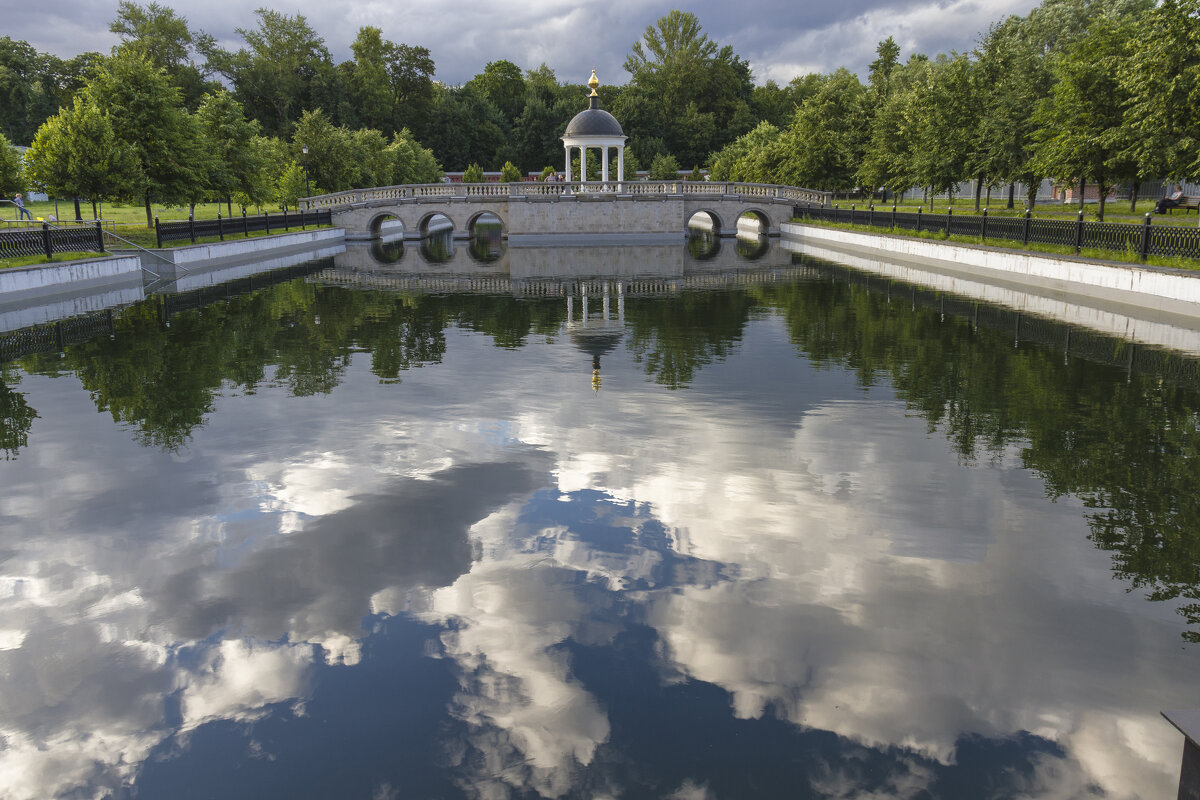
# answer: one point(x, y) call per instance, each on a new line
point(1170, 201)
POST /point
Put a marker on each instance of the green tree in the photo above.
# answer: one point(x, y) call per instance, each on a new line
point(412, 163)
point(12, 170)
point(1161, 79)
point(331, 153)
point(168, 42)
point(509, 173)
point(473, 174)
point(227, 133)
point(284, 70)
point(1081, 133)
point(465, 127)
point(941, 115)
point(368, 84)
point(664, 168)
point(147, 114)
point(684, 90)
point(33, 86)
point(824, 145)
point(77, 153)
point(290, 186)
point(502, 85)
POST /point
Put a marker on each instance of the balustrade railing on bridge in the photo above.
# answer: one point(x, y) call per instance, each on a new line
point(575, 189)
point(1142, 239)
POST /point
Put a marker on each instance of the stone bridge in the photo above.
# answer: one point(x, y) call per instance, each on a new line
point(536, 208)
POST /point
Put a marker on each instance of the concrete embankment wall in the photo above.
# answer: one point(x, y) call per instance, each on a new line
point(1171, 291)
point(244, 249)
point(51, 278)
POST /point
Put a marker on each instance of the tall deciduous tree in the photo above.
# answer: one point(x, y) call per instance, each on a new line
point(825, 142)
point(1161, 77)
point(147, 113)
point(167, 41)
point(1081, 132)
point(12, 172)
point(684, 90)
point(228, 135)
point(77, 153)
point(284, 70)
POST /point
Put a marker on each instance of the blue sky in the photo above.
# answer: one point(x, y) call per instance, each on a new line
point(780, 39)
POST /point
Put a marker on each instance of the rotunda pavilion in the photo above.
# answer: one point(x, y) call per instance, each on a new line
point(597, 129)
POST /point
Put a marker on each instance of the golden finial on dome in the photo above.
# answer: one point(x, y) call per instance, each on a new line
point(593, 82)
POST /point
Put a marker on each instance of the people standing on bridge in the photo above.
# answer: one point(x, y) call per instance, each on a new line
point(21, 208)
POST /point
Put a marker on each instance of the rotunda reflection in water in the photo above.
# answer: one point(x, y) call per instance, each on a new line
point(596, 331)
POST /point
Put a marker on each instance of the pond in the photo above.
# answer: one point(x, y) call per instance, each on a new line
point(703, 521)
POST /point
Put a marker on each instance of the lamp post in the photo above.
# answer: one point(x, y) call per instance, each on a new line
point(304, 150)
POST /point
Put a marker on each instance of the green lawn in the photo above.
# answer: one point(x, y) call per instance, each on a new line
point(118, 214)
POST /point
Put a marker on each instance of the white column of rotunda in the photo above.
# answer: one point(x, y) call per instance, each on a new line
point(594, 128)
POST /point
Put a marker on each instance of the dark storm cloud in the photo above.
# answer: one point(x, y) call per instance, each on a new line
point(780, 39)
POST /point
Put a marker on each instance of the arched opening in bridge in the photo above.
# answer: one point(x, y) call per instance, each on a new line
point(437, 238)
point(704, 222)
point(387, 227)
point(753, 222)
point(487, 237)
point(435, 224)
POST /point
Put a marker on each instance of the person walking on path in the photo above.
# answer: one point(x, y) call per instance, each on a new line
point(21, 208)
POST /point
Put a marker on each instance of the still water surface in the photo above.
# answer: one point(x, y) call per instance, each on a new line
point(741, 527)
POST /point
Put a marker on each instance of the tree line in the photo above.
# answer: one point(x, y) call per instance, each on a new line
point(1101, 91)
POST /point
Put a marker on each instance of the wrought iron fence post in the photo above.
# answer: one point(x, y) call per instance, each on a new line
point(983, 227)
point(852, 206)
point(157, 233)
point(893, 213)
point(1025, 231)
point(1144, 250)
point(267, 221)
point(919, 218)
point(302, 220)
point(245, 226)
point(99, 237)
point(47, 245)
point(192, 226)
point(871, 215)
point(285, 221)
point(1079, 232)
point(220, 227)
point(949, 214)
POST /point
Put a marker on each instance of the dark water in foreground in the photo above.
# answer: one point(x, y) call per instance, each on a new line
point(760, 530)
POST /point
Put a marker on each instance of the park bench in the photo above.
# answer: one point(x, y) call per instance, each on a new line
point(1187, 204)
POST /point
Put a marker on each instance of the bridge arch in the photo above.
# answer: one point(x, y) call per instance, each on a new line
point(386, 223)
point(766, 226)
point(424, 223)
point(486, 216)
point(713, 217)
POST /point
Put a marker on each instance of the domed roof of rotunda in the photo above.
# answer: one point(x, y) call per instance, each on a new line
point(594, 121)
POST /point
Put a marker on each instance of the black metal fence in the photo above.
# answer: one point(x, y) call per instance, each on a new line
point(1139, 239)
point(50, 239)
point(192, 229)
